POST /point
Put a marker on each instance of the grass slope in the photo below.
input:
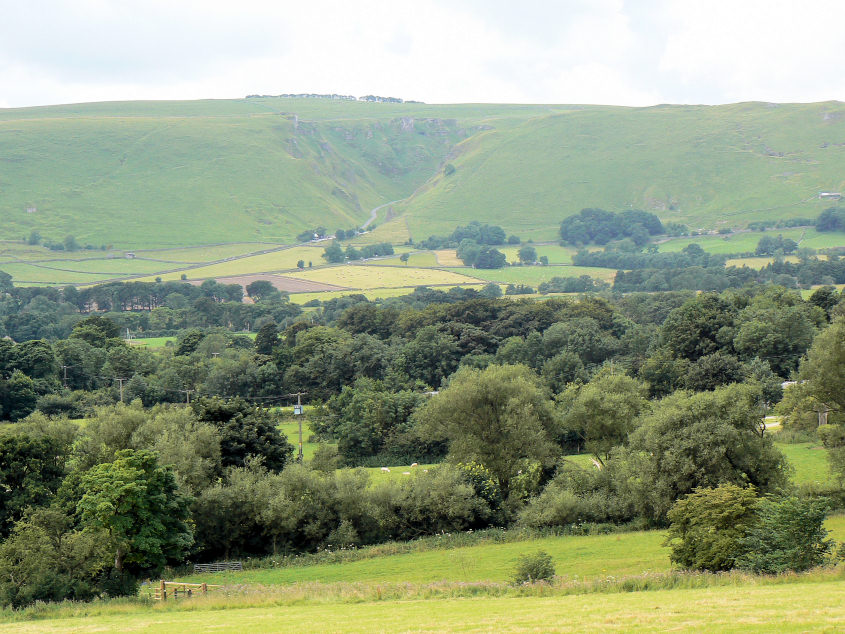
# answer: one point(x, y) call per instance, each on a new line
point(705, 166)
point(139, 174)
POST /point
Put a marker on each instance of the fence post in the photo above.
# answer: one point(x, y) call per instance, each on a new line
point(163, 590)
point(205, 588)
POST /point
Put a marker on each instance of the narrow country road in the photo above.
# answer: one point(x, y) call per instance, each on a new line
point(374, 212)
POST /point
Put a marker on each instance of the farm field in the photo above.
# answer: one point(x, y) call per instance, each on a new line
point(556, 253)
point(584, 557)
point(744, 242)
point(797, 607)
point(369, 277)
point(419, 259)
point(281, 260)
point(206, 253)
point(809, 460)
point(757, 262)
point(534, 275)
point(370, 293)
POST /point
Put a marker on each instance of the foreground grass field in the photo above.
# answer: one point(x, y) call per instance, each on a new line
point(792, 605)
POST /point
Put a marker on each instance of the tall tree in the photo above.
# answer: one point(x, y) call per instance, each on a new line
point(500, 417)
point(138, 504)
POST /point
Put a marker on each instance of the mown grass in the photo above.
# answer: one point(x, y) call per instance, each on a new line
point(809, 459)
point(424, 259)
point(371, 277)
point(581, 557)
point(283, 260)
point(654, 602)
point(534, 275)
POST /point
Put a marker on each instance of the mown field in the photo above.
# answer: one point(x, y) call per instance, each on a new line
point(360, 276)
point(534, 275)
point(794, 607)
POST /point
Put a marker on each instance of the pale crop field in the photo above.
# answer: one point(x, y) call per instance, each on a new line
point(425, 259)
point(283, 260)
point(534, 275)
point(369, 277)
point(447, 257)
point(371, 293)
point(394, 231)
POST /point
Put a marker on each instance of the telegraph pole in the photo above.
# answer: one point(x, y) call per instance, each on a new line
point(64, 369)
point(120, 383)
point(297, 411)
point(187, 394)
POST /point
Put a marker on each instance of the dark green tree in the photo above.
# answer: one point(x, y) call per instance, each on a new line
point(138, 504)
point(31, 470)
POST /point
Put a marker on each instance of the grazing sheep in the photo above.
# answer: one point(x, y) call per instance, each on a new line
point(385, 469)
point(406, 473)
point(415, 465)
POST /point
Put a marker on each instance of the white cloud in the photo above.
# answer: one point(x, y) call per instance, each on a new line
point(586, 51)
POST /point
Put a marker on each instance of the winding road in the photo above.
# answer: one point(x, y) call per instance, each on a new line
point(374, 212)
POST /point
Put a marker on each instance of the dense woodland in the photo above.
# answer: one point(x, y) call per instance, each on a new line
point(111, 476)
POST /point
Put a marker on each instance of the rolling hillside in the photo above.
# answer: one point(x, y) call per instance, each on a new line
point(147, 174)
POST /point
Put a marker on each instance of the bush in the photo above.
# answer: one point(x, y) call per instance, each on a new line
point(708, 527)
point(789, 536)
point(534, 567)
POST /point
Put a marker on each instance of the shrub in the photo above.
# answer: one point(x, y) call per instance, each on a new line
point(707, 527)
point(534, 567)
point(789, 536)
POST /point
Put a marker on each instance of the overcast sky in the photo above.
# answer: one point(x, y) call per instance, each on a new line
point(440, 51)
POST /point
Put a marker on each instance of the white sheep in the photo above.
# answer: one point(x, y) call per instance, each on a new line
point(385, 469)
point(406, 473)
point(415, 465)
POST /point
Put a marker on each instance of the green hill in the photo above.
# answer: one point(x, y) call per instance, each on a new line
point(138, 174)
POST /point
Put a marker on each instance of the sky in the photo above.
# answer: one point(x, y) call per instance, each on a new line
point(620, 52)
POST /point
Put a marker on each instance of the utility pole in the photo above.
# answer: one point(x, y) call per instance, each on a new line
point(297, 411)
point(120, 383)
point(64, 369)
point(187, 394)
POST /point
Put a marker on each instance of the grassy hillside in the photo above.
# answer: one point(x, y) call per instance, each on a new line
point(706, 166)
point(142, 174)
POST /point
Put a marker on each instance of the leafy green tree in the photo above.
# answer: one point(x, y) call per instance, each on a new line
point(824, 367)
point(334, 253)
point(188, 342)
point(45, 559)
point(468, 251)
point(267, 338)
point(707, 527)
point(18, 397)
point(701, 326)
point(500, 417)
point(704, 440)
point(31, 470)
point(246, 432)
point(527, 254)
point(430, 356)
point(788, 536)
point(603, 412)
point(404, 258)
point(261, 290)
point(138, 504)
point(489, 258)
